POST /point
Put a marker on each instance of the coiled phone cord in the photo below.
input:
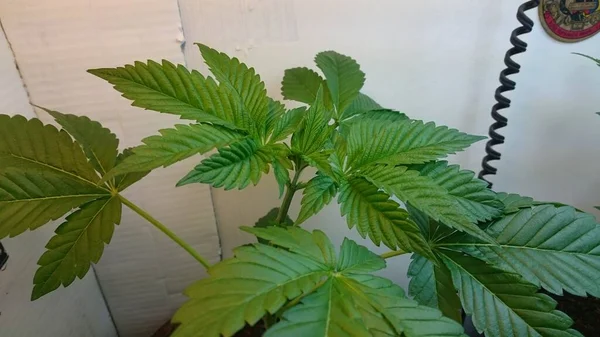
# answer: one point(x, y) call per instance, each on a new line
point(512, 67)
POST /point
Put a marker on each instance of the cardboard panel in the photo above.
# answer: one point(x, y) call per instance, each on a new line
point(142, 274)
point(80, 312)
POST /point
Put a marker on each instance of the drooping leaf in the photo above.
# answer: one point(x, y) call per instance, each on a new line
point(343, 76)
point(259, 279)
point(122, 181)
point(477, 201)
point(555, 247)
point(244, 81)
point(425, 195)
point(236, 166)
point(402, 142)
point(78, 243)
point(514, 202)
point(287, 124)
point(360, 105)
point(99, 143)
point(30, 199)
point(314, 245)
point(376, 215)
point(315, 130)
point(175, 90)
point(301, 84)
point(173, 145)
point(431, 285)
point(28, 144)
point(317, 194)
point(503, 304)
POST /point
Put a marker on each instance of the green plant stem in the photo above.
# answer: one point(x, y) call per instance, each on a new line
point(288, 197)
point(393, 253)
point(165, 230)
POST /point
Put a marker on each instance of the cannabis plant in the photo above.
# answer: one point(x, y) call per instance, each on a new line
point(473, 250)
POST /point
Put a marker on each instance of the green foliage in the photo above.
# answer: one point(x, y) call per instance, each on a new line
point(336, 296)
point(485, 252)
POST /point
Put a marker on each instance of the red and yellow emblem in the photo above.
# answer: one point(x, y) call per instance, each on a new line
point(570, 20)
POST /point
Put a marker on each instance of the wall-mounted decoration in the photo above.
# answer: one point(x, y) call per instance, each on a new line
point(570, 20)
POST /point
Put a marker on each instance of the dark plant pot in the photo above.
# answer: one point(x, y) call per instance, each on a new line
point(248, 331)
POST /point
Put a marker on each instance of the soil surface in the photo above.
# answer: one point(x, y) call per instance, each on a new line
point(585, 312)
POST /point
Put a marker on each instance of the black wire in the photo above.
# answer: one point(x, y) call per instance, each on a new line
point(512, 67)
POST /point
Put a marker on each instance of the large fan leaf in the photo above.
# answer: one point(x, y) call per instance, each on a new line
point(555, 247)
point(514, 202)
point(302, 85)
point(503, 304)
point(243, 81)
point(315, 130)
point(317, 194)
point(355, 259)
point(431, 285)
point(425, 195)
point(30, 199)
point(78, 242)
point(99, 143)
point(344, 78)
point(402, 142)
point(28, 144)
point(477, 201)
point(235, 166)
point(173, 145)
point(173, 89)
point(376, 215)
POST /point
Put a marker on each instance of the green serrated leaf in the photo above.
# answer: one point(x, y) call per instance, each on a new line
point(173, 145)
point(270, 220)
point(287, 124)
point(315, 130)
point(431, 285)
point(175, 90)
point(476, 201)
point(376, 215)
point(315, 245)
point(320, 161)
point(402, 142)
point(302, 85)
point(282, 176)
point(237, 166)
point(317, 194)
point(555, 247)
point(30, 199)
point(343, 76)
point(244, 82)
point(122, 181)
point(503, 304)
point(99, 143)
point(358, 259)
point(514, 202)
point(276, 112)
point(31, 145)
point(425, 195)
point(78, 243)
point(360, 105)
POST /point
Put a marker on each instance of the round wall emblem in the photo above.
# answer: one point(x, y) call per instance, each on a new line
point(570, 20)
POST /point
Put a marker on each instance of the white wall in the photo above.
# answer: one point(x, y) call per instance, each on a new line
point(79, 313)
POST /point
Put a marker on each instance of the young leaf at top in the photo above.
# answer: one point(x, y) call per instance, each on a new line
point(173, 145)
point(360, 105)
point(402, 142)
point(287, 124)
point(555, 247)
point(503, 304)
point(315, 131)
point(317, 194)
point(302, 85)
point(78, 242)
point(344, 78)
point(99, 143)
point(475, 200)
point(431, 285)
point(376, 215)
point(424, 194)
point(175, 90)
point(243, 82)
point(236, 166)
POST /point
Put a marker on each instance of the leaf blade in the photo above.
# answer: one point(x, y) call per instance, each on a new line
point(317, 194)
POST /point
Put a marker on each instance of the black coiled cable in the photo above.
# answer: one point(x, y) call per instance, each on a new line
point(512, 67)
